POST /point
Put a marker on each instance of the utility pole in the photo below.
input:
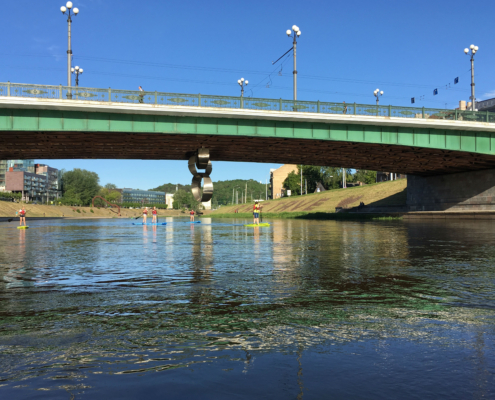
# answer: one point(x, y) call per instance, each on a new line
point(245, 197)
point(301, 179)
point(295, 33)
point(68, 8)
point(473, 49)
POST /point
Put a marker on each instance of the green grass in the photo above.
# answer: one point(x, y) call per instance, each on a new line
point(312, 215)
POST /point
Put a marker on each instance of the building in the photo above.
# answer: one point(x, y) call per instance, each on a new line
point(486, 105)
point(277, 178)
point(142, 196)
point(19, 165)
point(36, 182)
point(169, 200)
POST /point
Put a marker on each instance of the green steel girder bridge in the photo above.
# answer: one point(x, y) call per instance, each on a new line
point(57, 122)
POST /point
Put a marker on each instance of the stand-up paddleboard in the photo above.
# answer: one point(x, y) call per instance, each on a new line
point(23, 227)
point(262, 224)
point(140, 223)
point(194, 222)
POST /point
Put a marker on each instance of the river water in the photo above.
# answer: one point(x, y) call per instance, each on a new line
point(103, 309)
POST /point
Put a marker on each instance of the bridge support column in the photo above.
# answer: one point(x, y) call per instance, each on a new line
point(463, 191)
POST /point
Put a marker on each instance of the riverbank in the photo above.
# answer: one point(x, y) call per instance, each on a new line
point(387, 195)
point(8, 210)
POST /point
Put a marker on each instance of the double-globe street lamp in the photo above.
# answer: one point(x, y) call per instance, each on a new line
point(377, 94)
point(77, 71)
point(242, 83)
point(69, 10)
point(473, 49)
point(295, 33)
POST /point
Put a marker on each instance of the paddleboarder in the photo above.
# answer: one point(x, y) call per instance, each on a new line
point(154, 213)
point(145, 214)
point(256, 212)
point(22, 216)
point(191, 216)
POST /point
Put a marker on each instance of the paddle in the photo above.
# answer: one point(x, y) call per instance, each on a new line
point(261, 215)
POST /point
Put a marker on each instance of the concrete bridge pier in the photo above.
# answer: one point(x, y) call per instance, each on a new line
point(463, 191)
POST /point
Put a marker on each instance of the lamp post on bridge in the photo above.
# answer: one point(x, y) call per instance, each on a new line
point(295, 33)
point(377, 94)
point(473, 49)
point(67, 8)
point(242, 83)
point(77, 71)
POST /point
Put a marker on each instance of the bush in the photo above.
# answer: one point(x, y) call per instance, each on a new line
point(92, 210)
point(79, 211)
point(84, 211)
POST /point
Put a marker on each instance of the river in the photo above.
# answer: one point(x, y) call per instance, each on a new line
point(102, 309)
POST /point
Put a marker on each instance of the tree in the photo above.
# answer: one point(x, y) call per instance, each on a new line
point(184, 199)
point(110, 186)
point(365, 176)
point(80, 185)
point(293, 183)
point(312, 174)
point(113, 196)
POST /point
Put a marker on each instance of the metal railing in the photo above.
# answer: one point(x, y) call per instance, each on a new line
point(198, 100)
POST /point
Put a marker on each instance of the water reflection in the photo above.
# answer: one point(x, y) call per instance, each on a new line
point(301, 305)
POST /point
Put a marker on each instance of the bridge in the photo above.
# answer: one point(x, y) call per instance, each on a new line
point(39, 121)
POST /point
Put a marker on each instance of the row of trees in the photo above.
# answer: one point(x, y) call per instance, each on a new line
point(329, 177)
point(80, 186)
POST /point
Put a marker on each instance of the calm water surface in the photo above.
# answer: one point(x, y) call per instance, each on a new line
point(103, 309)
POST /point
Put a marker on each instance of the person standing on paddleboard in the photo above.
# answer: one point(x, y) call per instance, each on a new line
point(154, 213)
point(22, 216)
point(256, 212)
point(191, 216)
point(145, 214)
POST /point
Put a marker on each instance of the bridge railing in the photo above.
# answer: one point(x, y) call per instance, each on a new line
point(198, 100)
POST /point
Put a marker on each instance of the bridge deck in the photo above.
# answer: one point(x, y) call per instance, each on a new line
point(58, 129)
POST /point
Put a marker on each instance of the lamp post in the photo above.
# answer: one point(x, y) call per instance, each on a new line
point(295, 33)
point(473, 49)
point(377, 94)
point(67, 8)
point(77, 71)
point(242, 83)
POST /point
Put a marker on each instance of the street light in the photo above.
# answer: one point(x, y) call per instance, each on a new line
point(242, 83)
point(295, 33)
point(377, 94)
point(473, 49)
point(77, 71)
point(67, 8)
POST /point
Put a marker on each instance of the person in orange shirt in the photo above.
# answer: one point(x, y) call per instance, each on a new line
point(154, 213)
point(191, 215)
point(256, 212)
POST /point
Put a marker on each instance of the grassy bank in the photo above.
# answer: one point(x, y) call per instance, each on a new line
point(380, 194)
point(309, 215)
point(8, 209)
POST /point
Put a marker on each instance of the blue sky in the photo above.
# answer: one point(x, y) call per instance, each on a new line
point(346, 50)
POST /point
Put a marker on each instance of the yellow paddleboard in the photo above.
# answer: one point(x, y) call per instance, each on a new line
point(23, 227)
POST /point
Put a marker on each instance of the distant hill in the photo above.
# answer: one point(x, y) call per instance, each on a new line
point(222, 190)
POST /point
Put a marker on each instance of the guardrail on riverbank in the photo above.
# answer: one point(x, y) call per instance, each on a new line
point(200, 100)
